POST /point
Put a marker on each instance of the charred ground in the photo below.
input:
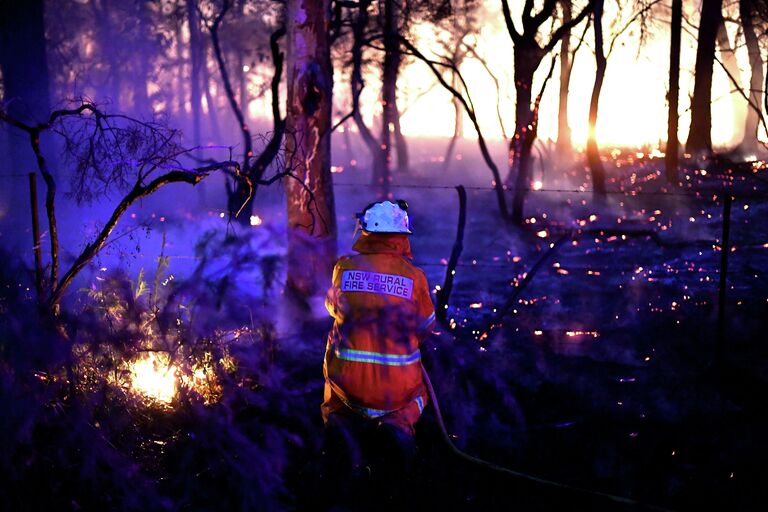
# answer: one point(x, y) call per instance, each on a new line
point(603, 374)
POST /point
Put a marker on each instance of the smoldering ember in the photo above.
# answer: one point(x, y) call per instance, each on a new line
point(383, 255)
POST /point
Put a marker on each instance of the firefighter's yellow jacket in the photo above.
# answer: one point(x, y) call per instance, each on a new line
point(382, 309)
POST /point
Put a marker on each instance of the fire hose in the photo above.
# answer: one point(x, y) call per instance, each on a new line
point(501, 469)
point(442, 306)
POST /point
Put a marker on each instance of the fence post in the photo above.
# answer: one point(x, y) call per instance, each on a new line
point(444, 294)
point(36, 236)
point(725, 248)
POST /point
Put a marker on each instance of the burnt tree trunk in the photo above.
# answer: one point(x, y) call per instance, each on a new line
point(563, 144)
point(527, 59)
point(700, 134)
point(529, 51)
point(673, 143)
point(593, 151)
point(749, 143)
point(309, 197)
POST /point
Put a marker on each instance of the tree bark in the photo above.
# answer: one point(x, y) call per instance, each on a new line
point(749, 143)
point(237, 193)
point(527, 59)
point(272, 148)
point(563, 144)
point(673, 143)
point(309, 197)
point(700, 136)
point(593, 151)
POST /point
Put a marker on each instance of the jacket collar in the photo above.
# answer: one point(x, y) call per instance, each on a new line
point(380, 243)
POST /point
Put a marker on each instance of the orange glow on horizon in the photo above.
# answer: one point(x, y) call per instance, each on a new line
point(633, 105)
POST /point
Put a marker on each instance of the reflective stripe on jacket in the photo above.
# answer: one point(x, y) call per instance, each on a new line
point(382, 309)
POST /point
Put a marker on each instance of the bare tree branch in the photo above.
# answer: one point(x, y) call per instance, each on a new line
point(213, 29)
point(544, 14)
point(482, 61)
point(267, 156)
point(513, 33)
point(110, 150)
point(566, 27)
point(640, 13)
point(472, 116)
point(138, 191)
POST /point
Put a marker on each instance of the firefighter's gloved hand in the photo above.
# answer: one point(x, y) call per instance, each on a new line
point(336, 304)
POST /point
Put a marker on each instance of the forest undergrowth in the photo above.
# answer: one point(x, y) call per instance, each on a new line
point(184, 388)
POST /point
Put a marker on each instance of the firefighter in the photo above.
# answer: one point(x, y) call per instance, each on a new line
point(383, 311)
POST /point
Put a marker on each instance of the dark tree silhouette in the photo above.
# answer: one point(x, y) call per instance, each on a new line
point(469, 108)
point(239, 194)
point(593, 152)
point(382, 33)
point(107, 152)
point(462, 27)
point(529, 51)
point(700, 134)
point(671, 156)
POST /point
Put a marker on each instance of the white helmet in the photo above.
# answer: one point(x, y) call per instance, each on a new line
point(386, 217)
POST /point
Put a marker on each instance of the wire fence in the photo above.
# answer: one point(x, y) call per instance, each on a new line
point(698, 194)
point(718, 187)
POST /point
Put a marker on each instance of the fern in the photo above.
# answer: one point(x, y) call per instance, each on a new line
point(141, 286)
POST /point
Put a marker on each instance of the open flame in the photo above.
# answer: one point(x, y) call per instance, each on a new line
point(154, 377)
